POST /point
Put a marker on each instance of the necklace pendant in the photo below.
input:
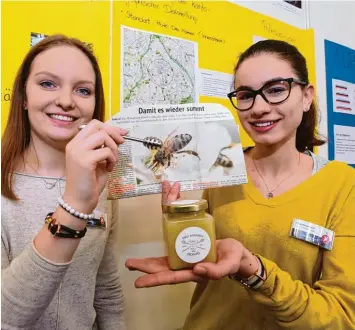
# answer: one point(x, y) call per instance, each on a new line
point(49, 185)
point(270, 195)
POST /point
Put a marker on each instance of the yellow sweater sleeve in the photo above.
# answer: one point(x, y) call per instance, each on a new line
point(330, 303)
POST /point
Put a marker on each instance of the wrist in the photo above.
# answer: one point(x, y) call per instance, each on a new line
point(68, 219)
point(253, 281)
point(82, 207)
point(248, 265)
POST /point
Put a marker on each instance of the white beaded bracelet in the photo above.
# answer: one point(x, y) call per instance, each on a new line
point(74, 212)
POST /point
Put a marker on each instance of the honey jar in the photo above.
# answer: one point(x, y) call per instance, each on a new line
point(189, 233)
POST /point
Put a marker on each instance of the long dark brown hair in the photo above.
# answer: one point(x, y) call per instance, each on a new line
point(307, 136)
point(17, 133)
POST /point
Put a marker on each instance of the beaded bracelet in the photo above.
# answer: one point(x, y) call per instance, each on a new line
point(74, 212)
point(59, 230)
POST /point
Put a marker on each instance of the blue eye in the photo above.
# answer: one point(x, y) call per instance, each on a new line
point(47, 84)
point(84, 91)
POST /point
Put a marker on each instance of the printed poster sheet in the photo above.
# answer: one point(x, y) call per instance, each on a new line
point(344, 143)
point(340, 80)
point(288, 11)
point(343, 96)
point(196, 144)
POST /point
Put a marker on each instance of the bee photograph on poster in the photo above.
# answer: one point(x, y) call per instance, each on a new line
point(186, 151)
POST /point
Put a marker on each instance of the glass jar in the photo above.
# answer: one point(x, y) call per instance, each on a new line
point(189, 233)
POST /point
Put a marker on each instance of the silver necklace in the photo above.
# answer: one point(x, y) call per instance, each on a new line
point(48, 184)
point(270, 192)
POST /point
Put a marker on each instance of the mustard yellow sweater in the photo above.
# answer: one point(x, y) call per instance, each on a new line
point(307, 288)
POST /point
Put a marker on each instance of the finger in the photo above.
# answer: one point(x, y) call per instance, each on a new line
point(110, 166)
point(98, 139)
point(227, 263)
point(174, 192)
point(101, 155)
point(148, 265)
point(90, 128)
point(96, 125)
point(165, 191)
point(102, 139)
point(167, 278)
point(116, 133)
point(214, 271)
point(122, 131)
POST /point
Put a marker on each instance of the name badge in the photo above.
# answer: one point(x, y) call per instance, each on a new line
point(312, 233)
point(100, 220)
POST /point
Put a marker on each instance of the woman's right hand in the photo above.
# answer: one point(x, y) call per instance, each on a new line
point(90, 155)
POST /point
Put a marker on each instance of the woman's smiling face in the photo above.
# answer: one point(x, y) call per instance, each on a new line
point(60, 93)
point(265, 123)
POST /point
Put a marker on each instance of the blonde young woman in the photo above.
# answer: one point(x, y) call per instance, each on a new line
point(289, 283)
point(59, 264)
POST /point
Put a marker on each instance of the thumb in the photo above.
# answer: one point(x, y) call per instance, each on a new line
point(214, 271)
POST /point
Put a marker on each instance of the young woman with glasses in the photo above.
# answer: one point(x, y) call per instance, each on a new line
point(301, 282)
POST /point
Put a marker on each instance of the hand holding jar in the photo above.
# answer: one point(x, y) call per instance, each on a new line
point(186, 247)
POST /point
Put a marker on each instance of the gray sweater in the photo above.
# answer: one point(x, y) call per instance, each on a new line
point(39, 294)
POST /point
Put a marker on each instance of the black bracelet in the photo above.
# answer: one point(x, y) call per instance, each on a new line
point(59, 230)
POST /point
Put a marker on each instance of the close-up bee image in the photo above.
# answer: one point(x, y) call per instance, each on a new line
point(223, 160)
point(186, 152)
point(162, 157)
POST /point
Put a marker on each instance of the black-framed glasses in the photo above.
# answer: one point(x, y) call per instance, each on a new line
point(275, 91)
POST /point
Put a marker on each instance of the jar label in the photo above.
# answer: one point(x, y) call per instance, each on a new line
point(193, 244)
point(185, 201)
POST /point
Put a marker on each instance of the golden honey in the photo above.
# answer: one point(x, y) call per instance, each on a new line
point(189, 233)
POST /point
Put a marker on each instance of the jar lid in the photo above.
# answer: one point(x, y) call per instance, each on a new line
point(185, 205)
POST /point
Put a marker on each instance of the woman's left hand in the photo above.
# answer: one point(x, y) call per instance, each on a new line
point(232, 257)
